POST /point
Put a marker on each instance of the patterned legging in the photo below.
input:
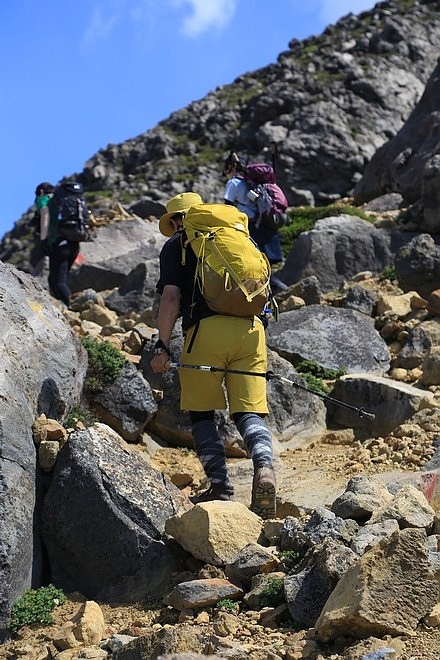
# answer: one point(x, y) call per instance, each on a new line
point(210, 448)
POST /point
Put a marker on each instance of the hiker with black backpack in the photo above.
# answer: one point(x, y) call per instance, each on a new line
point(60, 238)
point(215, 337)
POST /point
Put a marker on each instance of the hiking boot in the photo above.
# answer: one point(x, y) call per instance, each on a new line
point(221, 492)
point(264, 493)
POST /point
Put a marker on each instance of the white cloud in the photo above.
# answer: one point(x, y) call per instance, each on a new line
point(206, 15)
point(100, 26)
point(331, 11)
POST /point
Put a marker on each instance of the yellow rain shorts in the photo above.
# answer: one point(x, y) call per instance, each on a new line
point(229, 342)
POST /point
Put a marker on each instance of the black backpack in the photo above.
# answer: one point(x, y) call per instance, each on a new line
point(71, 211)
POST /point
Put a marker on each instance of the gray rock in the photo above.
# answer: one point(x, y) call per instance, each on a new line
point(195, 594)
point(105, 501)
point(418, 265)
point(335, 338)
point(322, 524)
point(386, 202)
point(335, 250)
point(127, 404)
point(391, 402)
point(361, 300)
point(252, 560)
point(371, 534)
point(308, 289)
point(137, 290)
point(43, 368)
point(109, 257)
point(408, 163)
point(360, 499)
point(421, 339)
point(314, 579)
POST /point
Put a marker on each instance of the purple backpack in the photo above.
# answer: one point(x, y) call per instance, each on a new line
point(272, 205)
point(269, 198)
point(260, 173)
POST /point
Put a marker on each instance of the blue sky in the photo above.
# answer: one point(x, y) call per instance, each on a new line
point(77, 75)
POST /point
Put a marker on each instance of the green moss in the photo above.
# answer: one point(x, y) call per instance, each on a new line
point(388, 273)
point(226, 605)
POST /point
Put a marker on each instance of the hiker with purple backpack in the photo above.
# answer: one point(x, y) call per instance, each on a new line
point(253, 190)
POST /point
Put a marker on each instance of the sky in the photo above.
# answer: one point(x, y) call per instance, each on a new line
point(78, 75)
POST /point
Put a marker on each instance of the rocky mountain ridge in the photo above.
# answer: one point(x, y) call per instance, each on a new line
point(329, 103)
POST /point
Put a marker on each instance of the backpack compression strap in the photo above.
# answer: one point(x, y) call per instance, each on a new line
point(230, 271)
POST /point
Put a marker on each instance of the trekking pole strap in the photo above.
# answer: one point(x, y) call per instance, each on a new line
point(269, 375)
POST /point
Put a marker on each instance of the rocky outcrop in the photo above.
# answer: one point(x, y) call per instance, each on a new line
point(409, 163)
point(331, 102)
point(43, 369)
point(102, 499)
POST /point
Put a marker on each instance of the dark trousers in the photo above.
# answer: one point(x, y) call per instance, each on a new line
point(268, 241)
point(61, 258)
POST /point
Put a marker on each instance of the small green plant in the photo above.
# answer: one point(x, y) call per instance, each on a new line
point(273, 594)
point(226, 604)
point(105, 363)
point(388, 273)
point(79, 412)
point(314, 374)
point(35, 606)
point(291, 557)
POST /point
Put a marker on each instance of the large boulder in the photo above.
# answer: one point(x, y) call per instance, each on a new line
point(104, 520)
point(335, 250)
point(395, 571)
point(390, 403)
point(335, 338)
point(108, 259)
point(43, 368)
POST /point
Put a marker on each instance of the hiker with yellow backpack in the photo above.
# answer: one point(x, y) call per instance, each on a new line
point(215, 277)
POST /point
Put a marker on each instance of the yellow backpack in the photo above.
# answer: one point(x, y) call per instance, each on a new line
point(232, 273)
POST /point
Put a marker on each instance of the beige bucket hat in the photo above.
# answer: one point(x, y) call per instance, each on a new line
point(178, 204)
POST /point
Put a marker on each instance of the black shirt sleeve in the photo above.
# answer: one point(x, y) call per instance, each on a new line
point(171, 269)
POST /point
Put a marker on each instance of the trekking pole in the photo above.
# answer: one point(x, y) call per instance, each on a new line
point(269, 375)
point(274, 152)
